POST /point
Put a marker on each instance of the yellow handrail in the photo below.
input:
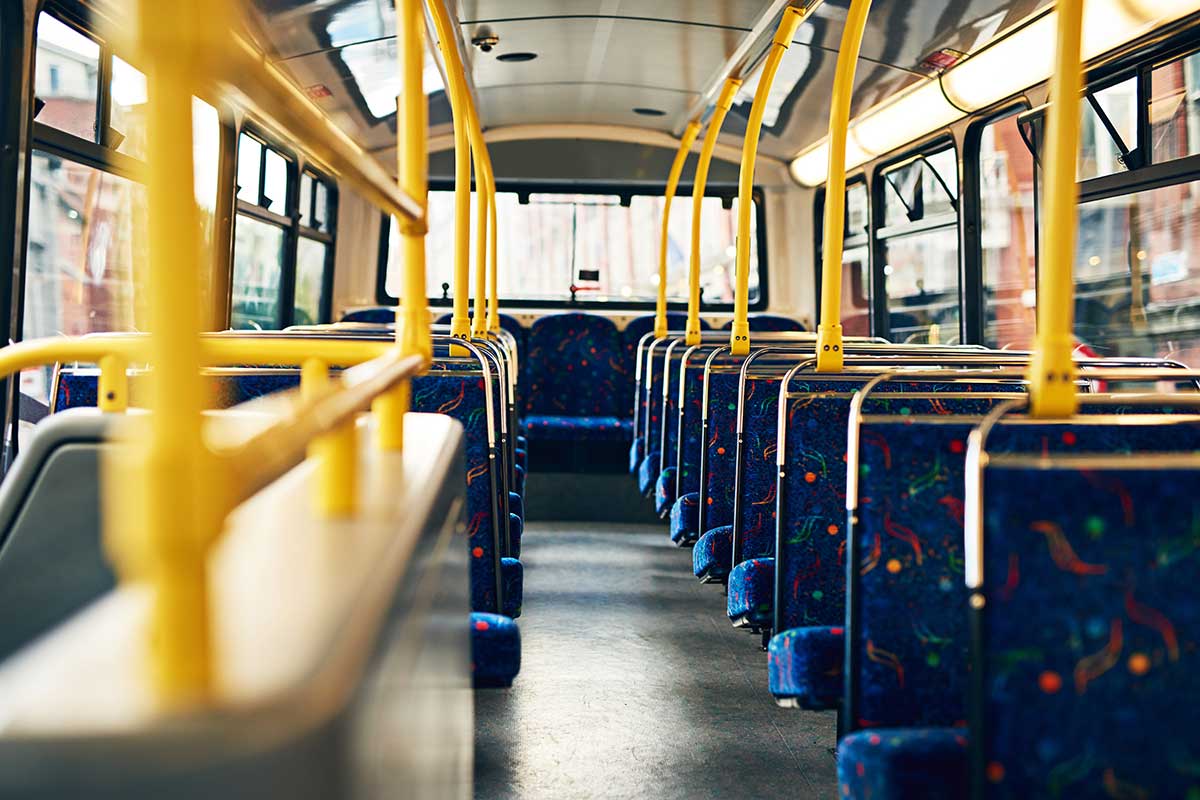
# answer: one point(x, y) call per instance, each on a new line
point(829, 331)
point(483, 193)
point(460, 104)
point(412, 317)
point(1052, 369)
point(724, 103)
point(739, 335)
point(493, 321)
point(685, 146)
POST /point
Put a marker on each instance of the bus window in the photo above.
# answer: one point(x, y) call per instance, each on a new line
point(606, 251)
point(68, 76)
point(919, 247)
point(314, 250)
point(1174, 111)
point(1100, 152)
point(260, 236)
point(128, 88)
point(1006, 211)
point(856, 258)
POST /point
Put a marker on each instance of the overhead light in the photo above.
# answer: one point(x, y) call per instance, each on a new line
point(1009, 65)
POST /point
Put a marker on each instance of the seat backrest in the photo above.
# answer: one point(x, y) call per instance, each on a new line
point(1088, 636)
point(718, 468)
point(769, 323)
point(507, 322)
point(632, 334)
point(574, 367)
point(690, 433)
point(51, 559)
point(756, 471)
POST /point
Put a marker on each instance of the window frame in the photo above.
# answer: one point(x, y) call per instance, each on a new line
point(289, 222)
point(881, 234)
point(626, 192)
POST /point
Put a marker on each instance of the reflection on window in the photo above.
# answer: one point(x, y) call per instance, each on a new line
point(67, 78)
point(920, 272)
point(1099, 153)
point(310, 281)
point(1137, 286)
point(1175, 109)
point(275, 183)
point(83, 268)
point(856, 280)
point(257, 269)
point(606, 251)
point(249, 167)
point(127, 124)
point(1006, 209)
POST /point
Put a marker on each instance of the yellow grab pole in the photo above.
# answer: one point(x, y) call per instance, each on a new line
point(739, 335)
point(493, 320)
point(724, 103)
point(460, 104)
point(1052, 369)
point(412, 317)
point(184, 503)
point(336, 453)
point(479, 154)
point(685, 146)
point(829, 331)
point(113, 389)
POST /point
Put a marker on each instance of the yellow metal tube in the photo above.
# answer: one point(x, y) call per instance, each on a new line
point(482, 195)
point(739, 335)
point(493, 319)
point(184, 502)
point(685, 146)
point(113, 390)
point(724, 103)
point(335, 453)
point(1052, 369)
point(829, 331)
point(460, 104)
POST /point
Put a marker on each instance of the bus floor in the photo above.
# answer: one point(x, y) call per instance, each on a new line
point(633, 684)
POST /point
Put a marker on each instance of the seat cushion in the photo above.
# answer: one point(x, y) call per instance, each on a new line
point(903, 764)
point(512, 573)
point(495, 650)
point(712, 555)
point(752, 592)
point(549, 428)
point(685, 518)
point(521, 457)
point(516, 527)
point(648, 473)
point(636, 448)
point(804, 667)
point(516, 504)
point(664, 491)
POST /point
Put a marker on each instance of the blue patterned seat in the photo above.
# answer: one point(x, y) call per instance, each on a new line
point(648, 473)
point(685, 514)
point(757, 471)
point(718, 475)
point(804, 667)
point(751, 586)
point(507, 322)
point(632, 334)
point(637, 451)
point(516, 504)
point(907, 764)
point(712, 555)
point(495, 650)
point(576, 382)
point(512, 573)
point(664, 491)
point(769, 323)
point(516, 529)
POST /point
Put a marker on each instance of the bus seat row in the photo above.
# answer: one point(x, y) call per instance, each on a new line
point(469, 390)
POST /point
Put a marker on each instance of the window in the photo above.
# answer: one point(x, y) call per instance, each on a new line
point(856, 260)
point(283, 242)
point(1104, 135)
point(605, 249)
point(85, 265)
point(918, 247)
point(1007, 238)
point(1175, 109)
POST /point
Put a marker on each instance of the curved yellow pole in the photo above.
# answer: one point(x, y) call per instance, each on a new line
point(724, 103)
point(685, 146)
point(460, 104)
point(829, 331)
point(493, 318)
point(481, 227)
point(739, 335)
point(1052, 370)
point(412, 317)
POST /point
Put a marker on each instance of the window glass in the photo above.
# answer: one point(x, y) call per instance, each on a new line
point(321, 207)
point(83, 268)
point(257, 269)
point(605, 250)
point(856, 282)
point(921, 275)
point(1137, 288)
point(306, 190)
point(310, 281)
point(67, 78)
point(1006, 209)
point(127, 124)
point(921, 189)
point(1175, 109)
point(248, 167)
point(1098, 153)
point(276, 184)
point(857, 210)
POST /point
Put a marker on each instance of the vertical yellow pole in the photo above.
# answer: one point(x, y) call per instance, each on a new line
point(493, 320)
point(724, 103)
point(412, 317)
point(739, 335)
point(336, 453)
point(685, 146)
point(1052, 370)
point(479, 153)
point(460, 104)
point(829, 331)
point(184, 504)
point(113, 390)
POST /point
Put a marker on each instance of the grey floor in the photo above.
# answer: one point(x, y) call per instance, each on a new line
point(633, 684)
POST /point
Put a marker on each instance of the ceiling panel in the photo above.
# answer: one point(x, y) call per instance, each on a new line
point(727, 13)
point(573, 103)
